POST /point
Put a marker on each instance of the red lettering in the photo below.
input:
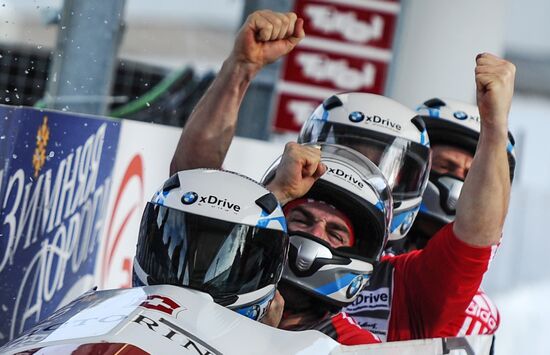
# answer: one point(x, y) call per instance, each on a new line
point(160, 303)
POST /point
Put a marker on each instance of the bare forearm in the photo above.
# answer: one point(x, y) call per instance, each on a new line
point(484, 199)
point(263, 38)
point(207, 135)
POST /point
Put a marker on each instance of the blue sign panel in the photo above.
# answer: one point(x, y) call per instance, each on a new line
point(55, 174)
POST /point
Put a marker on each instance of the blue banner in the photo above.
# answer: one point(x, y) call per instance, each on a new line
point(55, 174)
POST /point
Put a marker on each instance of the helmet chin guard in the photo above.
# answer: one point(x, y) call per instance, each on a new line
point(334, 276)
point(441, 197)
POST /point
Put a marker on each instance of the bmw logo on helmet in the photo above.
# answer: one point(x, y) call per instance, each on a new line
point(354, 286)
point(253, 312)
point(189, 198)
point(460, 115)
point(407, 222)
point(356, 116)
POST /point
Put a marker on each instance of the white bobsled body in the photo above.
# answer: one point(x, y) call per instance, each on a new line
point(169, 320)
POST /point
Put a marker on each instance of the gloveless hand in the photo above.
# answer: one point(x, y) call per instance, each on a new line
point(265, 37)
point(299, 168)
point(495, 88)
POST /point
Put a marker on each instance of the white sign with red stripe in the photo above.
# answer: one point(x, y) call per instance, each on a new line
point(347, 48)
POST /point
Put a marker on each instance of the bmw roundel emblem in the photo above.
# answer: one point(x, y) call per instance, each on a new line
point(460, 115)
point(189, 198)
point(253, 312)
point(354, 286)
point(356, 116)
point(407, 223)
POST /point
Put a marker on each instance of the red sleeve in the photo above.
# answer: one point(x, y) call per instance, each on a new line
point(350, 333)
point(433, 286)
point(481, 317)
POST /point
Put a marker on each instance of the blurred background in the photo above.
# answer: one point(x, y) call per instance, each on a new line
point(151, 61)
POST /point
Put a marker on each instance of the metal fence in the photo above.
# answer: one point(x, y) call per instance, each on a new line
point(141, 91)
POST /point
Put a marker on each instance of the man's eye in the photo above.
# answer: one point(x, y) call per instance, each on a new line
point(336, 236)
point(298, 220)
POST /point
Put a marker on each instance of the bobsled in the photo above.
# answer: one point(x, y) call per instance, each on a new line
point(167, 319)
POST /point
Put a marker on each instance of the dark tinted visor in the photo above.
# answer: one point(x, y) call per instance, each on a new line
point(218, 257)
point(404, 163)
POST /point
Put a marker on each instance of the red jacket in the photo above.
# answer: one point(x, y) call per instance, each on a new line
point(419, 294)
point(481, 317)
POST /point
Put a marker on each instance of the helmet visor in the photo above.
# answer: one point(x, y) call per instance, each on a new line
point(221, 258)
point(404, 163)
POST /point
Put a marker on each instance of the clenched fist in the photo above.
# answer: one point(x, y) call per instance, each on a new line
point(495, 88)
point(266, 36)
point(299, 168)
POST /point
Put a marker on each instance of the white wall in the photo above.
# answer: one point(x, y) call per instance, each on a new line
point(527, 27)
point(518, 280)
point(436, 45)
point(522, 259)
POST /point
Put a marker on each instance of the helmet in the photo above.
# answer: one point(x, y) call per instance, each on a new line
point(217, 232)
point(454, 123)
point(357, 188)
point(389, 134)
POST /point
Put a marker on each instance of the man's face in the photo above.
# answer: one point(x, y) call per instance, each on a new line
point(322, 221)
point(451, 160)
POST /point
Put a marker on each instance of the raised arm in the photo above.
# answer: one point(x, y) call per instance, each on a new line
point(264, 37)
point(484, 199)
